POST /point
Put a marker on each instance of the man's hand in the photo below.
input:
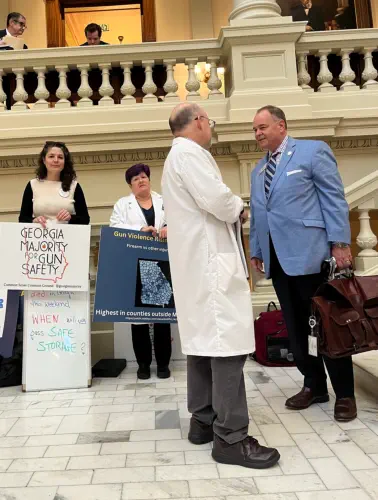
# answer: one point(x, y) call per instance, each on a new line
point(2, 42)
point(257, 264)
point(243, 217)
point(163, 233)
point(343, 257)
point(149, 229)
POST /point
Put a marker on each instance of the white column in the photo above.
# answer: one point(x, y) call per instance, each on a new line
point(3, 96)
point(325, 76)
point(41, 93)
point(303, 75)
point(106, 90)
point(171, 86)
point(347, 75)
point(84, 91)
point(247, 9)
point(214, 83)
point(192, 85)
point(149, 87)
point(19, 95)
point(366, 239)
point(63, 91)
point(128, 88)
point(245, 169)
point(370, 73)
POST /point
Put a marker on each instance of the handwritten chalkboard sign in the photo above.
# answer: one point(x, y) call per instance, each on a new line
point(56, 340)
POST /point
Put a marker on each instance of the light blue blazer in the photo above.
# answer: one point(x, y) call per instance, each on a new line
point(305, 211)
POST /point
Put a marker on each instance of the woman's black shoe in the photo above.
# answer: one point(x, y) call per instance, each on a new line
point(163, 372)
point(144, 372)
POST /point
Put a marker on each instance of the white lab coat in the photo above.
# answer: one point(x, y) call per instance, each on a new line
point(208, 267)
point(127, 213)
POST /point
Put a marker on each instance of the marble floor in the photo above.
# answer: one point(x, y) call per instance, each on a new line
point(124, 439)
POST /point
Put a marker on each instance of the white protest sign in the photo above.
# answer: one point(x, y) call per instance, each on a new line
point(52, 258)
point(3, 309)
point(57, 349)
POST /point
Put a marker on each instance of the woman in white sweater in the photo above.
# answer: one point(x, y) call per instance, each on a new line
point(54, 196)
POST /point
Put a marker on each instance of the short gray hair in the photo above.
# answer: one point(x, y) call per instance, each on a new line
point(275, 112)
point(14, 16)
point(184, 115)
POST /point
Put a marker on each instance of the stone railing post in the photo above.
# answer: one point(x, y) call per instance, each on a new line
point(366, 239)
point(63, 91)
point(19, 95)
point(3, 96)
point(41, 93)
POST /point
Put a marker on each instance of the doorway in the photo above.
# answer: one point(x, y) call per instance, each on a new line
point(139, 15)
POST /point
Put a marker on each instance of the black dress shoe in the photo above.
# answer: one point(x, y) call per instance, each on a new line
point(163, 372)
point(200, 433)
point(144, 372)
point(246, 453)
point(305, 398)
point(345, 409)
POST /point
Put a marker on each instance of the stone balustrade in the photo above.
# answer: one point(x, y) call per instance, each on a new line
point(338, 61)
point(107, 75)
point(148, 73)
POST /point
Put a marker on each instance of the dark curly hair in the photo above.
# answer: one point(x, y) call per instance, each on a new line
point(67, 175)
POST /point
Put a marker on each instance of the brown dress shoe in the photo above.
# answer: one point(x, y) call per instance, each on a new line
point(304, 399)
point(200, 433)
point(345, 409)
point(247, 453)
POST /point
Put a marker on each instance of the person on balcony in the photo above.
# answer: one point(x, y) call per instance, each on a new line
point(212, 294)
point(93, 33)
point(54, 196)
point(304, 10)
point(16, 25)
point(299, 218)
point(143, 210)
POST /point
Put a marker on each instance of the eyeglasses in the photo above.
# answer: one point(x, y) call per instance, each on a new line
point(211, 122)
point(22, 25)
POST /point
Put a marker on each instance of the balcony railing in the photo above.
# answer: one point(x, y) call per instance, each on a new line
point(338, 60)
point(327, 62)
point(107, 75)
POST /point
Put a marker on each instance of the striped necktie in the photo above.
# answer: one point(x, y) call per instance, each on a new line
point(270, 171)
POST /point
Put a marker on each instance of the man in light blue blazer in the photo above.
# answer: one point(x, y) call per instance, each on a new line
point(299, 218)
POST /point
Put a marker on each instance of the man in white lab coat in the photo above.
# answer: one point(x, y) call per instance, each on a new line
point(211, 290)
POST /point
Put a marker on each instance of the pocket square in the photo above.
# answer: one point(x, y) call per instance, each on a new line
point(291, 172)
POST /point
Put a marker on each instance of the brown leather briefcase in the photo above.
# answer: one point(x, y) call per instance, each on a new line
point(346, 315)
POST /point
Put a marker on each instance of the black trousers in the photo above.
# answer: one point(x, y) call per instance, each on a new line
point(162, 343)
point(295, 294)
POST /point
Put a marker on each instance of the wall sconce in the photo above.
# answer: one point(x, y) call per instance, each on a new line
point(203, 72)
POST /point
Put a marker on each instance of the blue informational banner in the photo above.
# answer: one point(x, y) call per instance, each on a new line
point(133, 279)
point(10, 323)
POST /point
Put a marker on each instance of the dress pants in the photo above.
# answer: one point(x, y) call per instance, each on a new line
point(295, 294)
point(216, 395)
point(162, 343)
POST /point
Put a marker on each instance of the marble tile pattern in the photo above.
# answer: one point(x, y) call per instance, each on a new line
point(123, 439)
